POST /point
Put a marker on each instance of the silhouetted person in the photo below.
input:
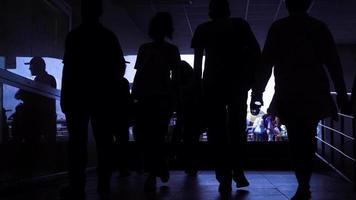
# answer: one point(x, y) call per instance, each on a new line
point(298, 47)
point(153, 95)
point(231, 56)
point(189, 118)
point(34, 121)
point(35, 117)
point(92, 76)
point(46, 107)
point(20, 127)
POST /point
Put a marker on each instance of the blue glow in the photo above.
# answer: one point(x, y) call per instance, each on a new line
point(55, 66)
point(267, 95)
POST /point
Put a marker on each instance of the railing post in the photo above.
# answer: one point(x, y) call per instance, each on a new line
point(2, 66)
point(354, 145)
point(323, 138)
point(342, 141)
point(332, 152)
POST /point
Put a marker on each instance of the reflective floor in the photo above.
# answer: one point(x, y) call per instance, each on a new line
point(265, 185)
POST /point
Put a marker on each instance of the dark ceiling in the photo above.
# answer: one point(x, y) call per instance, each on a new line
point(129, 18)
point(38, 27)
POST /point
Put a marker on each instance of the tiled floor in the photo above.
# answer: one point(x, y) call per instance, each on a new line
point(265, 185)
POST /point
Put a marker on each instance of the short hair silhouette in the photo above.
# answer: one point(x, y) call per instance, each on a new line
point(294, 6)
point(161, 26)
point(219, 9)
point(91, 10)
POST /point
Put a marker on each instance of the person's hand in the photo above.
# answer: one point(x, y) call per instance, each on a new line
point(256, 103)
point(255, 107)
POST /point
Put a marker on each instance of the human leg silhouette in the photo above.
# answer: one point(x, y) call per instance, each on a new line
point(104, 130)
point(121, 147)
point(237, 109)
point(219, 141)
point(77, 124)
point(152, 125)
point(301, 133)
point(190, 135)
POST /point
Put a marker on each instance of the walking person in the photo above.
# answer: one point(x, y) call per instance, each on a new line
point(231, 56)
point(298, 47)
point(152, 92)
point(92, 76)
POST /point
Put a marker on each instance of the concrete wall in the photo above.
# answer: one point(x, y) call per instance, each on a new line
point(32, 27)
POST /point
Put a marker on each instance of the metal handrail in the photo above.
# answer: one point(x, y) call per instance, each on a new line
point(336, 131)
point(334, 168)
point(345, 115)
point(336, 149)
point(23, 83)
point(333, 148)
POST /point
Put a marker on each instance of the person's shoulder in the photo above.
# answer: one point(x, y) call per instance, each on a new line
point(146, 45)
point(172, 48)
point(204, 25)
point(170, 45)
point(281, 22)
point(76, 33)
point(280, 25)
point(77, 30)
point(106, 30)
point(53, 81)
point(109, 34)
point(52, 77)
point(317, 23)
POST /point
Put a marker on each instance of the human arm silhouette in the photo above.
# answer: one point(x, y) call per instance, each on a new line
point(121, 60)
point(198, 68)
point(253, 51)
point(67, 64)
point(263, 73)
point(262, 76)
point(333, 65)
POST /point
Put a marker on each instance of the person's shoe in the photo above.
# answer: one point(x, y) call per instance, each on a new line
point(224, 188)
point(150, 184)
point(69, 193)
point(191, 172)
point(302, 194)
point(241, 180)
point(164, 176)
point(104, 193)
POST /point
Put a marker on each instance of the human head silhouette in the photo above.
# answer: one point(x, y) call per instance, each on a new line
point(37, 65)
point(161, 26)
point(219, 9)
point(91, 10)
point(298, 6)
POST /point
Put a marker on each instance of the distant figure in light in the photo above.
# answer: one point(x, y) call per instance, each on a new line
point(152, 92)
point(93, 72)
point(232, 56)
point(34, 121)
point(35, 118)
point(46, 106)
point(298, 47)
